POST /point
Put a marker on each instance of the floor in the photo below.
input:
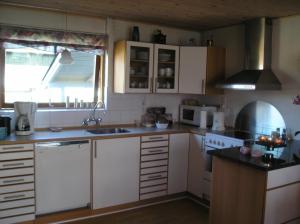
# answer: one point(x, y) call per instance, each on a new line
point(183, 211)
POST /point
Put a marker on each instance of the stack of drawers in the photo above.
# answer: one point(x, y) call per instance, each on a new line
point(154, 166)
point(17, 197)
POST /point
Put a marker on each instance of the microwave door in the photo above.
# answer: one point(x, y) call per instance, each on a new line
point(188, 115)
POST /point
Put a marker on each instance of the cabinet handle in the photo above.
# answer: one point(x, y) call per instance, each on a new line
point(151, 84)
point(157, 150)
point(13, 181)
point(13, 164)
point(202, 86)
point(95, 148)
point(155, 84)
point(12, 148)
point(155, 176)
point(154, 138)
point(14, 196)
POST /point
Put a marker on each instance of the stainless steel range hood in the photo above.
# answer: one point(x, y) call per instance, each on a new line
point(257, 74)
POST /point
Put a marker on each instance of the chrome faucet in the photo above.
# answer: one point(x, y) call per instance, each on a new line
point(92, 116)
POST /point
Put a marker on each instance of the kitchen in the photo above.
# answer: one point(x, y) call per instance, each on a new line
point(126, 108)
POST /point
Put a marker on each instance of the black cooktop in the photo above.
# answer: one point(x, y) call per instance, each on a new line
point(244, 135)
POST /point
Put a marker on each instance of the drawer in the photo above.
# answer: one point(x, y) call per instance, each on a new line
point(16, 148)
point(17, 211)
point(16, 155)
point(16, 164)
point(154, 163)
point(283, 176)
point(153, 195)
point(155, 144)
point(163, 187)
point(16, 219)
point(153, 176)
point(152, 138)
point(17, 187)
point(18, 203)
point(16, 172)
point(16, 196)
point(153, 182)
point(150, 151)
point(16, 180)
point(154, 170)
point(155, 157)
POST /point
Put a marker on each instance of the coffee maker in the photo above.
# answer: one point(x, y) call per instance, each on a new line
point(25, 116)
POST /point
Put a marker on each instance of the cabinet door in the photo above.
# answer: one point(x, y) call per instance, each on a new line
point(139, 67)
point(166, 63)
point(178, 163)
point(196, 165)
point(115, 171)
point(192, 70)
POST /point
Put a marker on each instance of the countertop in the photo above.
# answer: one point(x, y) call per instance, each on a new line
point(42, 136)
point(284, 157)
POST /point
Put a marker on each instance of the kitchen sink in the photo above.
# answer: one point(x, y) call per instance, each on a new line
point(102, 131)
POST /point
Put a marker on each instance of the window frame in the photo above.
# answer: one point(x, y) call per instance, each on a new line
point(98, 87)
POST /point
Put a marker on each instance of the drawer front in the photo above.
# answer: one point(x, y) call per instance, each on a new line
point(154, 144)
point(16, 148)
point(16, 164)
point(16, 219)
point(152, 138)
point(154, 163)
point(283, 176)
point(16, 180)
point(154, 176)
point(154, 170)
point(18, 203)
point(16, 211)
point(153, 182)
point(17, 187)
point(16, 196)
point(16, 155)
point(153, 195)
point(154, 157)
point(163, 187)
point(150, 151)
point(16, 172)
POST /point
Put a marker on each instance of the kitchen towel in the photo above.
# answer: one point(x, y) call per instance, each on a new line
point(203, 119)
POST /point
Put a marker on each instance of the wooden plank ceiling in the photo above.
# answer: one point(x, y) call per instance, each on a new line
point(194, 14)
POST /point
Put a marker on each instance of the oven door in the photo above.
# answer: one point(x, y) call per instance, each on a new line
point(207, 173)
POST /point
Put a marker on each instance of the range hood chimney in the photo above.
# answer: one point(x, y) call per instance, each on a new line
point(257, 74)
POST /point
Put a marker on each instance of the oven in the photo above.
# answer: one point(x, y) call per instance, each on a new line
point(212, 142)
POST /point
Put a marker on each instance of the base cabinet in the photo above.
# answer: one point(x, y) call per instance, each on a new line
point(196, 165)
point(115, 171)
point(178, 163)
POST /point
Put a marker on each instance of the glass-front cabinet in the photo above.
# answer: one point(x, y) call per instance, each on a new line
point(139, 68)
point(166, 60)
point(145, 67)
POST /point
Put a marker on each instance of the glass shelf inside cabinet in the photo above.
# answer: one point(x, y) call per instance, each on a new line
point(139, 67)
point(166, 69)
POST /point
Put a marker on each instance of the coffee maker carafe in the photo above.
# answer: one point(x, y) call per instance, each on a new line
point(25, 116)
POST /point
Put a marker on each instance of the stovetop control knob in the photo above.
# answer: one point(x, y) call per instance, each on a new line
point(222, 144)
point(218, 143)
point(214, 141)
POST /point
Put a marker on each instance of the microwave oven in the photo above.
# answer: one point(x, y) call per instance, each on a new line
point(191, 114)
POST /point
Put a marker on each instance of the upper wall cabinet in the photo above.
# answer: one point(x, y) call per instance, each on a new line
point(145, 68)
point(133, 67)
point(166, 63)
point(200, 69)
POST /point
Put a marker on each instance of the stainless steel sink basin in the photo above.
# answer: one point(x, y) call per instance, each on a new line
point(102, 131)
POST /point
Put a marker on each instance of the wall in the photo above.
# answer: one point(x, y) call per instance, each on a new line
point(122, 108)
point(285, 64)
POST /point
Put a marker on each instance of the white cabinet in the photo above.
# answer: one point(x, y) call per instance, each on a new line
point(166, 64)
point(115, 171)
point(17, 185)
point(178, 163)
point(196, 165)
point(145, 68)
point(200, 68)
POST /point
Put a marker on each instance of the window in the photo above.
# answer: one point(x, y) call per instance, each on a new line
point(32, 69)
